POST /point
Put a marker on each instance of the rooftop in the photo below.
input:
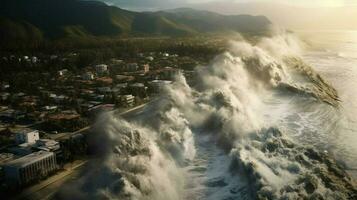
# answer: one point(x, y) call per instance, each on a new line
point(29, 159)
point(6, 157)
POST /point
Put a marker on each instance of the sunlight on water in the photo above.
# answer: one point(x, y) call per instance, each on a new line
point(334, 56)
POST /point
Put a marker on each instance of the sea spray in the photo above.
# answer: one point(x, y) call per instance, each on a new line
point(145, 157)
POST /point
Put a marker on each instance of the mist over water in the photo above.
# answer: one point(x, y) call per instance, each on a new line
point(334, 55)
point(259, 124)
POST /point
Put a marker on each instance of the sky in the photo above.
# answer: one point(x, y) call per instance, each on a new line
point(291, 14)
point(161, 4)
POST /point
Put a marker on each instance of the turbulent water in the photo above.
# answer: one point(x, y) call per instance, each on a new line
point(334, 55)
point(259, 123)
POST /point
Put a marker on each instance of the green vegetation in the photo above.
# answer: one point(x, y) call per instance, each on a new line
point(22, 23)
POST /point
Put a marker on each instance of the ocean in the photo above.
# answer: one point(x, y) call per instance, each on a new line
point(333, 54)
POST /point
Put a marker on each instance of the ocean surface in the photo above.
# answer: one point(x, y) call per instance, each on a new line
point(333, 54)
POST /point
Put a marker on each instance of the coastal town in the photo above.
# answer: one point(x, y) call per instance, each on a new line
point(45, 116)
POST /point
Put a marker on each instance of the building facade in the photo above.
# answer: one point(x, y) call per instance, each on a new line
point(30, 168)
point(27, 136)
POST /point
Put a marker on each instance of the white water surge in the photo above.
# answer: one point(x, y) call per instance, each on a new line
point(250, 128)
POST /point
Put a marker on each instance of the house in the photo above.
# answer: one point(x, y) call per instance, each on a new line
point(145, 68)
point(62, 72)
point(123, 78)
point(59, 99)
point(126, 100)
point(18, 95)
point(138, 89)
point(47, 145)
point(131, 67)
point(11, 115)
point(150, 58)
point(32, 167)
point(86, 92)
point(6, 157)
point(104, 90)
point(50, 108)
point(53, 57)
point(5, 86)
point(26, 58)
point(101, 69)
point(94, 111)
point(64, 116)
point(104, 81)
point(34, 59)
point(169, 73)
point(27, 136)
point(4, 96)
point(120, 88)
point(88, 76)
point(3, 108)
point(116, 61)
point(64, 121)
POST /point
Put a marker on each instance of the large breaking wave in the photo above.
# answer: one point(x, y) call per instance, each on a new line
point(214, 140)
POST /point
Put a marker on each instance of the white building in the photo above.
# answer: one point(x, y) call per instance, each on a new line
point(30, 168)
point(88, 76)
point(127, 100)
point(47, 145)
point(150, 58)
point(34, 59)
point(62, 72)
point(101, 69)
point(50, 108)
point(27, 136)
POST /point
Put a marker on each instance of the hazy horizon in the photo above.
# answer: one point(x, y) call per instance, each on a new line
point(317, 15)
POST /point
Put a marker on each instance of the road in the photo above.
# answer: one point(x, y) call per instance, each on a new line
point(48, 188)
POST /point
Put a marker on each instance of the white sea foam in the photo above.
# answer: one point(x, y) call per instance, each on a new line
point(150, 155)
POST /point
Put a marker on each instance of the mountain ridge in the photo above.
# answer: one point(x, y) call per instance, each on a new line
point(30, 22)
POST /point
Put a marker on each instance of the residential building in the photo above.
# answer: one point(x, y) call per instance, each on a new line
point(5, 86)
point(34, 59)
point(47, 145)
point(104, 90)
point(88, 76)
point(62, 72)
point(131, 67)
point(138, 89)
point(145, 68)
point(6, 157)
point(21, 150)
point(158, 85)
point(50, 108)
point(101, 69)
point(126, 100)
point(4, 96)
point(150, 58)
point(27, 136)
point(123, 78)
point(169, 73)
